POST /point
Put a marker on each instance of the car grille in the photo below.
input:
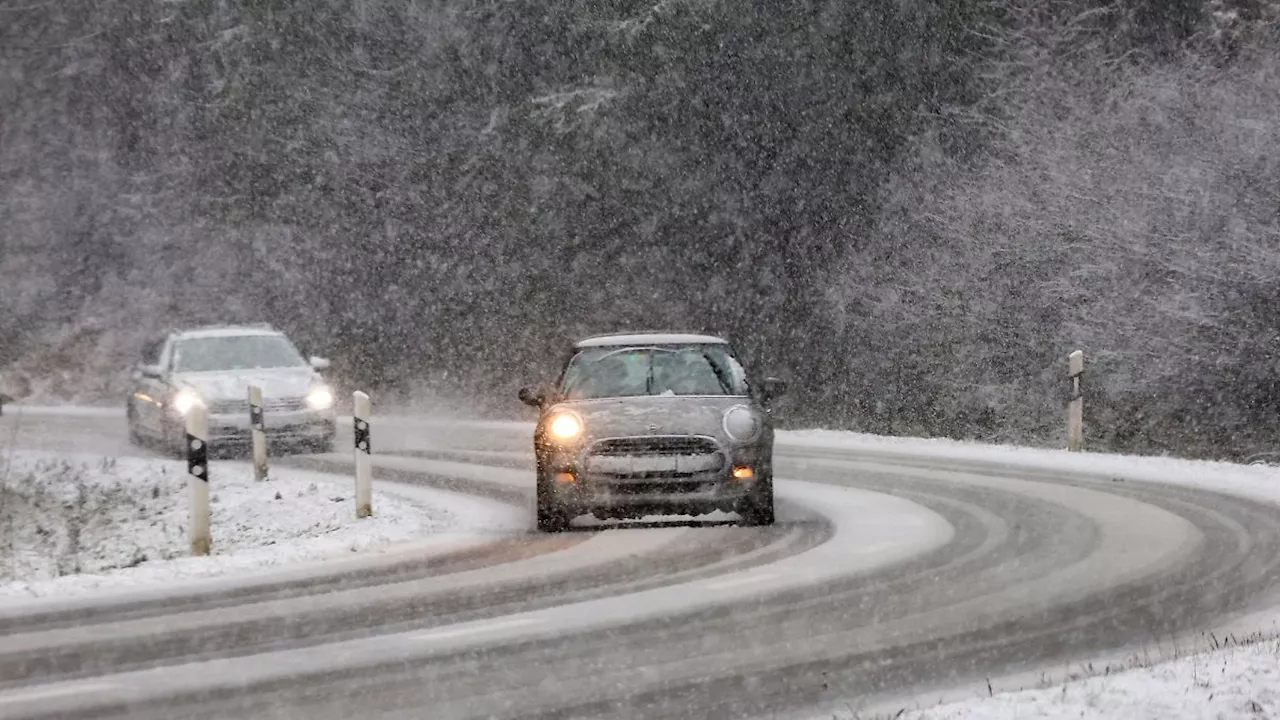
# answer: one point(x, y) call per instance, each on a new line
point(241, 407)
point(671, 487)
point(662, 463)
point(656, 445)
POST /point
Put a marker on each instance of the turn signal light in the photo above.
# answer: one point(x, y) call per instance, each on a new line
point(564, 478)
point(742, 472)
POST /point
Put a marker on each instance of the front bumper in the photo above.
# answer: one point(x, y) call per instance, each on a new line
point(694, 484)
point(291, 426)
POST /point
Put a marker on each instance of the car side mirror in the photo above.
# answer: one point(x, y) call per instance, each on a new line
point(773, 387)
point(319, 363)
point(154, 372)
point(532, 396)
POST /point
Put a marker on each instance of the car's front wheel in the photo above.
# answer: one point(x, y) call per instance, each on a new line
point(173, 438)
point(757, 508)
point(552, 516)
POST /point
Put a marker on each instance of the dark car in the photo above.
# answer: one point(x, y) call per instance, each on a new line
point(649, 424)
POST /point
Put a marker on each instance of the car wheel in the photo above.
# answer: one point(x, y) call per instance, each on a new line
point(757, 508)
point(173, 439)
point(552, 516)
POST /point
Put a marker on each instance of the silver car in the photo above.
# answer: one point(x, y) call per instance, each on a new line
point(213, 367)
point(651, 423)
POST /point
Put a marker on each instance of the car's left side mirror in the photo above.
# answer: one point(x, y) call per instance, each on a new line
point(151, 372)
point(773, 387)
point(532, 396)
point(319, 363)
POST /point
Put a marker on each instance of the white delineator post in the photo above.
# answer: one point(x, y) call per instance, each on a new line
point(198, 480)
point(364, 461)
point(258, 430)
point(1075, 410)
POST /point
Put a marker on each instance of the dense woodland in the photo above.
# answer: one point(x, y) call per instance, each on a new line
point(912, 210)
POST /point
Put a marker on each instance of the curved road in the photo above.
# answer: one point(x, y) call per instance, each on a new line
point(884, 578)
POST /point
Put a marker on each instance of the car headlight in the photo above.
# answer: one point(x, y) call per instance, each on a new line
point(742, 424)
point(565, 426)
point(320, 398)
point(185, 400)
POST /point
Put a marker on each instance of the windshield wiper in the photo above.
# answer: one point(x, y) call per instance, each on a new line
point(720, 377)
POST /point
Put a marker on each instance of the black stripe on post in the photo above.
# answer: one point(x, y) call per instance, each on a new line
point(197, 457)
point(255, 418)
point(362, 436)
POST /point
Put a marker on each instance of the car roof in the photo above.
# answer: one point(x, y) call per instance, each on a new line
point(226, 331)
point(649, 338)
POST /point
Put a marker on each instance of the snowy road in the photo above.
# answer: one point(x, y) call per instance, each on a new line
point(888, 574)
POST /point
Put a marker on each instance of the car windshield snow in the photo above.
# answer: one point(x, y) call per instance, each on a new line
point(236, 352)
point(653, 371)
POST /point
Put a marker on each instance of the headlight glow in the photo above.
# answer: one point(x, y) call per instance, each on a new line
point(320, 398)
point(565, 426)
point(741, 424)
point(185, 400)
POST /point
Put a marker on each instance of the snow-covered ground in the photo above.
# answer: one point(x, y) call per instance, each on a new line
point(1242, 681)
point(1261, 482)
point(76, 524)
point(1235, 683)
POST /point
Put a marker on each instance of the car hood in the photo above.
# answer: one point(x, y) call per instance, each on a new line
point(234, 385)
point(657, 415)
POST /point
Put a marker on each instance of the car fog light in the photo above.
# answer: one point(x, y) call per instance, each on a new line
point(742, 472)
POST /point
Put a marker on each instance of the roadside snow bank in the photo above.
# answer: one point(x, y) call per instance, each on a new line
point(75, 524)
point(1259, 482)
point(1225, 684)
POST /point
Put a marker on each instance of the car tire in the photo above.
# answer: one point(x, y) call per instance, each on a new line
point(757, 509)
point(173, 440)
point(552, 516)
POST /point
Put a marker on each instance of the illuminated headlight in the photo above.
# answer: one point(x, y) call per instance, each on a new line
point(320, 398)
point(565, 427)
point(741, 424)
point(185, 400)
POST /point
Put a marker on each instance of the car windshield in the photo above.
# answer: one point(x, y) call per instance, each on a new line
point(653, 371)
point(235, 352)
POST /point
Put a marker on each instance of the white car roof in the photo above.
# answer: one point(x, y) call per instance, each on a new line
point(650, 339)
point(229, 331)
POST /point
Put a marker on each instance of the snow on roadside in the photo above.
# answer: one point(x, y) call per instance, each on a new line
point(76, 524)
point(1225, 684)
point(1259, 482)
